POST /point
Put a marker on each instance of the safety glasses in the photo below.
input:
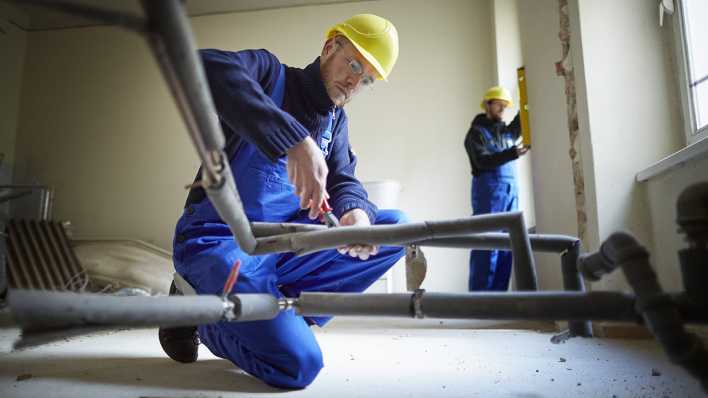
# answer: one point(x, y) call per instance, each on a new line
point(358, 70)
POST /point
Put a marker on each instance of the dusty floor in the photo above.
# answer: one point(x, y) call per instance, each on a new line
point(363, 358)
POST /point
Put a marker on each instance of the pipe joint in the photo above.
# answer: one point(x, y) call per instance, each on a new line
point(417, 303)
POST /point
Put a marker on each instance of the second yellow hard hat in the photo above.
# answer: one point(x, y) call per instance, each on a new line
point(497, 93)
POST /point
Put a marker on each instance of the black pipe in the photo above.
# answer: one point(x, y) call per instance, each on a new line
point(524, 267)
point(501, 241)
point(692, 218)
point(659, 311)
point(612, 306)
point(573, 282)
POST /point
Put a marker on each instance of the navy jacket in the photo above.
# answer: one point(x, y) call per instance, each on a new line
point(503, 143)
point(241, 83)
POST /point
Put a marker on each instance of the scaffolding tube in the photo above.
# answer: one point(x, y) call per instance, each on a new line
point(307, 242)
point(549, 306)
point(38, 310)
point(501, 240)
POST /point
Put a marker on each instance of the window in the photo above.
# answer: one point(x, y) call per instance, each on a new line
point(693, 15)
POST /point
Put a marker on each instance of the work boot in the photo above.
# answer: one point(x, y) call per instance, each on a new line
point(180, 343)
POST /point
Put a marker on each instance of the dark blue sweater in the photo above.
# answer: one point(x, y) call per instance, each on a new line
point(241, 83)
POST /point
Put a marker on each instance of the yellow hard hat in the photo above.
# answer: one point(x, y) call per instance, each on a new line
point(497, 93)
point(374, 37)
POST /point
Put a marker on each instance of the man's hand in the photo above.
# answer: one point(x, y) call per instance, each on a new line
point(357, 218)
point(522, 149)
point(307, 170)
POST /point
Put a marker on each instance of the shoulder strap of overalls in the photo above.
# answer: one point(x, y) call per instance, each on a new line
point(197, 194)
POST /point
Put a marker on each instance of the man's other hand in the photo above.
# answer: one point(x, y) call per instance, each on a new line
point(357, 218)
point(522, 149)
point(307, 170)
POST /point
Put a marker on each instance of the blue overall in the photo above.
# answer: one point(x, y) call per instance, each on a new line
point(282, 352)
point(493, 191)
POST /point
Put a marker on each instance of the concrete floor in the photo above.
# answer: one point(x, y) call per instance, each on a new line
point(363, 358)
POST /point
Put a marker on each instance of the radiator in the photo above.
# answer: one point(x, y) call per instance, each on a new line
point(40, 257)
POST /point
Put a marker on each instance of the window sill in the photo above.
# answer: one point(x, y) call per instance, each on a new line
point(675, 160)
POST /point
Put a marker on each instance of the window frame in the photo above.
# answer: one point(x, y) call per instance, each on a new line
point(692, 133)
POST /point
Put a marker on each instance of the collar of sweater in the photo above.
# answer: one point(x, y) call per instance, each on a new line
point(484, 121)
point(306, 97)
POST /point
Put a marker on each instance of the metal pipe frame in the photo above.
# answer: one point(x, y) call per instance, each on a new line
point(168, 31)
point(41, 310)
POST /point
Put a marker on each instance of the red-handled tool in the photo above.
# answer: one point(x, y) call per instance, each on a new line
point(327, 216)
point(231, 280)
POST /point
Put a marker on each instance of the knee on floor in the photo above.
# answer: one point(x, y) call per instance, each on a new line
point(391, 216)
point(301, 369)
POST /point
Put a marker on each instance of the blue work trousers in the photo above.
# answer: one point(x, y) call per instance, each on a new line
point(283, 351)
point(490, 270)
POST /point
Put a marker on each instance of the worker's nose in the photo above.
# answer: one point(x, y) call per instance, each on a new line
point(353, 81)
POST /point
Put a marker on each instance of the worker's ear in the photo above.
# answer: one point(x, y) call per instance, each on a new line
point(329, 48)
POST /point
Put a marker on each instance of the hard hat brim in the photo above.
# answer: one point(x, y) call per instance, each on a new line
point(380, 71)
point(509, 104)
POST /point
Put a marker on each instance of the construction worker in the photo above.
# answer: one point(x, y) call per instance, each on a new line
point(288, 146)
point(492, 150)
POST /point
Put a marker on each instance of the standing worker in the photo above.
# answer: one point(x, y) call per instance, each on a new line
point(492, 149)
point(288, 147)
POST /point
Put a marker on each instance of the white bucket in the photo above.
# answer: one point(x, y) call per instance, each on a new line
point(384, 194)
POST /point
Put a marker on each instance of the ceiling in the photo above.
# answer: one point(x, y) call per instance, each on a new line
point(40, 18)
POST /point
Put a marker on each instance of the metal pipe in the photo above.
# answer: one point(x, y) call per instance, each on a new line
point(500, 240)
point(263, 229)
point(38, 310)
point(352, 304)
point(524, 268)
point(307, 242)
point(404, 234)
point(44, 310)
point(692, 218)
point(572, 281)
point(227, 203)
point(254, 307)
point(659, 311)
point(610, 306)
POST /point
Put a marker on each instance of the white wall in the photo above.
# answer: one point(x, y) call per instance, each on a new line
point(13, 41)
point(509, 58)
point(96, 121)
point(631, 108)
point(663, 190)
point(551, 167)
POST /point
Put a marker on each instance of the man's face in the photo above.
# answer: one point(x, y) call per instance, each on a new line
point(495, 109)
point(344, 71)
